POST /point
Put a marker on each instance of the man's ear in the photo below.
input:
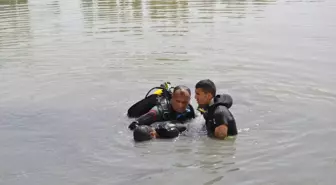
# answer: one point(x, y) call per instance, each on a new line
point(209, 96)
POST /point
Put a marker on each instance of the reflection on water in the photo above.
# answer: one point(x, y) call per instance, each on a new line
point(14, 24)
point(170, 17)
point(168, 11)
point(13, 2)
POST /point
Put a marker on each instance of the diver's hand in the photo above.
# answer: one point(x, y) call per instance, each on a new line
point(133, 125)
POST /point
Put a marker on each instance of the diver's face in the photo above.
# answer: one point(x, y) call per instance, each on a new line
point(153, 133)
point(180, 100)
point(202, 98)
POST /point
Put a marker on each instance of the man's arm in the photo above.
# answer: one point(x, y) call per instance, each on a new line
point(146, 119)
point(222, 117)
point(221, 131)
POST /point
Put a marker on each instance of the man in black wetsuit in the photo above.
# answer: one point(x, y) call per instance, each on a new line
point(175, 110)
point(219, 121)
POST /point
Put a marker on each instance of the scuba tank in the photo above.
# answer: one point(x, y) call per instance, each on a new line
point(161, 96)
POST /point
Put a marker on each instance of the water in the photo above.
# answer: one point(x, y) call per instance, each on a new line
point(70, 69)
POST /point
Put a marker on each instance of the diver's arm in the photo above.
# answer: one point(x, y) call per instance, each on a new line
point(221, 122)
point(221, 131)
point(146, 119)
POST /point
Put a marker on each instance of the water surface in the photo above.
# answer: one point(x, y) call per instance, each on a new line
point(70, 69)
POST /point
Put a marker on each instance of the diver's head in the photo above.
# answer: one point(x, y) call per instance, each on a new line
point(180, 98)
point(205, 90)
point(143, 133)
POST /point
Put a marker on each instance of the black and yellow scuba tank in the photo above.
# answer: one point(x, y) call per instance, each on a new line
point(162, 95)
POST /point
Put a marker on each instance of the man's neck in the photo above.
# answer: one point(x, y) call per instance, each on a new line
point(212, 101)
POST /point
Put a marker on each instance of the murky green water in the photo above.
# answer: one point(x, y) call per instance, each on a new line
point(70, 69)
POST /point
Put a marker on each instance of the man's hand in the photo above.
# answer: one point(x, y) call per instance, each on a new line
point(221, 131)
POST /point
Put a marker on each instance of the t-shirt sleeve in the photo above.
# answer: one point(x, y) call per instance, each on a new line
point(222, 116)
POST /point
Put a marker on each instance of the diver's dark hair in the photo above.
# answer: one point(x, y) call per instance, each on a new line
point(182, 88)
point(207, 86)
point(142, 133)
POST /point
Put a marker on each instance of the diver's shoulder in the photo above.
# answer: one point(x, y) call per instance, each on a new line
point(221, 109)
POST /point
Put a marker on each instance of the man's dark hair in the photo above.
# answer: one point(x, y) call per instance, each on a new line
point(142, 133)
point(207, 86)
point(182, 88)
